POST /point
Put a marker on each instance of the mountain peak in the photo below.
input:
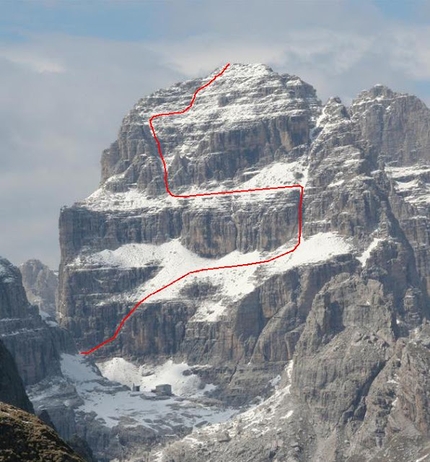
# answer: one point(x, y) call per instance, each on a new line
point(378, 93)
point(245, 96)
point(246, 68)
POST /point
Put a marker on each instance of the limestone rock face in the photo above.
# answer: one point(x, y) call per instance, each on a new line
point(41, 285)
point(13, 301)
point(348, 307)
point(37, 343)
point(34, 344)
point(248, 117)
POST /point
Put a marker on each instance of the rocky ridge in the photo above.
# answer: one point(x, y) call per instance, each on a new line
point(349, 306)
point(35, 343)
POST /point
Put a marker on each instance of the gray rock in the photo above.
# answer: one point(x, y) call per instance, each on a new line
point(40, 284)
point(352, 323)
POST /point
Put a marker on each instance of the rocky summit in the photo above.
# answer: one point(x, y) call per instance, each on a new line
point(321, 355)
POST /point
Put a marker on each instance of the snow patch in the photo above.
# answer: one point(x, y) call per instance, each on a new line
point(122, 371)
point(275, 381)
point(47, 318)
point(231, 284)
point(77, 369)
point(421, 459)
point(288, 415)
point(112, 402)
point(399, 172)
point(366, 254)
point(278, 174)
point(407, 185)
point(105, 200)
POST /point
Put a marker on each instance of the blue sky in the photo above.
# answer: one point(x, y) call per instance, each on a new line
point(71, 69)
point(122, 20)
point(134, 20)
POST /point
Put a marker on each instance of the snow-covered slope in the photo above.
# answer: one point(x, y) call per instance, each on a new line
point(105, 407)
point(232, 284)
point(184, 383)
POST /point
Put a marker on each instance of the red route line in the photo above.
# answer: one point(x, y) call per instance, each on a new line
point(188, 196)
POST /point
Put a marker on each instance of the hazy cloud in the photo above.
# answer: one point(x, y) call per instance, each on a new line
point(62, 97)
point(54, 125)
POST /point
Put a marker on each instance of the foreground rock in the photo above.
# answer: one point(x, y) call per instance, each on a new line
point(26, 438)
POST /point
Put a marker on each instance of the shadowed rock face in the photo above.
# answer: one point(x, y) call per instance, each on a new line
point(350, 320)
point(12, 389)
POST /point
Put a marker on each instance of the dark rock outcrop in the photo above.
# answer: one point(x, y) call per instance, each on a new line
point(12, 389)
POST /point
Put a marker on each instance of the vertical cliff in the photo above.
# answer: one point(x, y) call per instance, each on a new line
point(34, 344)
point(41, 285)
point(12, 389)
point(348, 306)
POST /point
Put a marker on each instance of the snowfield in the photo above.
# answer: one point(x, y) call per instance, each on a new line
point(122, 371)
point(232, 283)
point(115, 404)
point(276, 174)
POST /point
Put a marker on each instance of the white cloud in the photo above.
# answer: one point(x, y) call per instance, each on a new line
point(409, 52)
point(54, 126)
point(31, 61)
point(62, 98)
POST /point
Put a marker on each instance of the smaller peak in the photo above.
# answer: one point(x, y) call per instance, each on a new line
point(255, 66)
point(34, 265)
point(294, 80)
point(334, 101)
point(5, 262)
point(377, 92)
point(333, 111)
point(380, 90)
point(8, 271)
point(32, 262)
point(335, 108)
